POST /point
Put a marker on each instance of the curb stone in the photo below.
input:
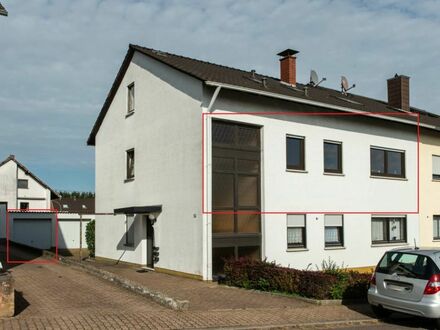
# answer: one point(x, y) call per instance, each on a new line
point(158, 297)
point(313, 325)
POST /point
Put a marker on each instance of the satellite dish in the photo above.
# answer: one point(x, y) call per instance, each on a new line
point(345, 85)
point(314, 79)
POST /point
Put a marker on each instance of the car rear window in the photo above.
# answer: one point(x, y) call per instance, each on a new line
point(407, 264)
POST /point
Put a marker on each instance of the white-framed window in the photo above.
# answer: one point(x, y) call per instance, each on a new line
point(130, 98)
point(296, 231)
point(129, 230)
point(435, 167)
point(334, 230)
point(436, 227)
point(388, 229)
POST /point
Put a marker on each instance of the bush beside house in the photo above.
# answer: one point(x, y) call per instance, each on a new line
point(267, 276)
point(90, 237)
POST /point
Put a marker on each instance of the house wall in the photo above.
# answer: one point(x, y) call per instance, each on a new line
point(165, 131)
point(312, 191)
point(429, 188)
point(8, 192)
point(36, 195)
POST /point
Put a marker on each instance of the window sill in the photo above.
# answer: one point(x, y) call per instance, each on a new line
point(296, 249)
point(334, 248)
point(129, 114)
point(387, 178)
point(128, 180)
point(435, 180)
point(296, 171)
point(390, 244)
point(437, 240)
point(333, 174)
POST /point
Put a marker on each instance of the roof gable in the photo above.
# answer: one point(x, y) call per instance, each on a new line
point(53, 193)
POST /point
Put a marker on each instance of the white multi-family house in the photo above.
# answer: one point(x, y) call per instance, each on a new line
point(28, 199)
point(201, 162)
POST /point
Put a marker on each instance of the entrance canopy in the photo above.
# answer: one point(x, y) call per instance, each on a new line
point(139, 209)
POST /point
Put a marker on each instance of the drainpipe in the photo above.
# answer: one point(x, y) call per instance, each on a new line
point(213, 98)
point(80, 236)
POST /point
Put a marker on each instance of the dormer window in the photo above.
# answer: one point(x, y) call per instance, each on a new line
point(130, 98)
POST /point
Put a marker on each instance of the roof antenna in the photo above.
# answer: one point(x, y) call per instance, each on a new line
point(314, 80)
point(345, 84)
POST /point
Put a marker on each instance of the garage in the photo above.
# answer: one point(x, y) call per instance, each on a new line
point(33, 232)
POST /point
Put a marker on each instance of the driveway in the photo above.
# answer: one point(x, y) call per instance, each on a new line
point(57, 296)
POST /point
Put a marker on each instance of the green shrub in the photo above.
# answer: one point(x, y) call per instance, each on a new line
point(90, 237)
point(332, 283)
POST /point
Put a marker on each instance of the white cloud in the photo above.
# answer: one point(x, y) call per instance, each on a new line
point(59, 58)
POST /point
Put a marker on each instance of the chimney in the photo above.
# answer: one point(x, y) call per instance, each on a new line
point(288, 66)
point(398, 92)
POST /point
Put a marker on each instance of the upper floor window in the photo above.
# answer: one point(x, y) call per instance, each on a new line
point(130, 164)
point(332, 157)
point(130, 97)
point(388, 163)
point(22, 184)
point(388, 229)
point(295, 153)
point(435, 167)
point(296, 231)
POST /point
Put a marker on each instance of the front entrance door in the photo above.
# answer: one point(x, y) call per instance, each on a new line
point(236, 228)
point(150, 243)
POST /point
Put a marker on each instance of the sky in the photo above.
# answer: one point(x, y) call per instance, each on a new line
point(58, 59)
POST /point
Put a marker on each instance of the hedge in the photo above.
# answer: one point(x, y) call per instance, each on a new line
point(267, 276)
point(90, 237)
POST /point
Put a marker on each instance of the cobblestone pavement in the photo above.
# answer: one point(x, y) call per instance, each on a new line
point(57, 296)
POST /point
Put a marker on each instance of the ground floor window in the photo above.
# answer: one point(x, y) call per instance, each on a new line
point(388, 230)
point(129, 230)
point(436, 227)
point(334, 230)
point(296, 231)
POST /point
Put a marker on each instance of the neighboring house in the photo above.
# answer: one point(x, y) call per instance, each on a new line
point(429, 188)
point(329, 186)
point(20, 189)
point(3, 10)
point(71, 211)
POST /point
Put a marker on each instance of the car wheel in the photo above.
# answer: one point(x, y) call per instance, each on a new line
point(437, 323)
point(380, 312)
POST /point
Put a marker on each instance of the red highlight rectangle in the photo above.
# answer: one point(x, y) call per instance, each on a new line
point(53, 260)
point(366, 114)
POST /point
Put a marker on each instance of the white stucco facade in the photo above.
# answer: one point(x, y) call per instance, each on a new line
point(165, 131)
point(36, 195)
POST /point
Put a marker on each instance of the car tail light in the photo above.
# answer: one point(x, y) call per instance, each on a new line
point(373, 279)
point(433, 285)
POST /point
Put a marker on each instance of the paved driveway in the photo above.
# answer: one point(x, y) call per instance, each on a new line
point(57, 296)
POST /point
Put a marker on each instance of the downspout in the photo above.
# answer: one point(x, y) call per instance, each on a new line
point(207, 184)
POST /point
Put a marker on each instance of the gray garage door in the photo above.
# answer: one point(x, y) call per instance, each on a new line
point(36, 233)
